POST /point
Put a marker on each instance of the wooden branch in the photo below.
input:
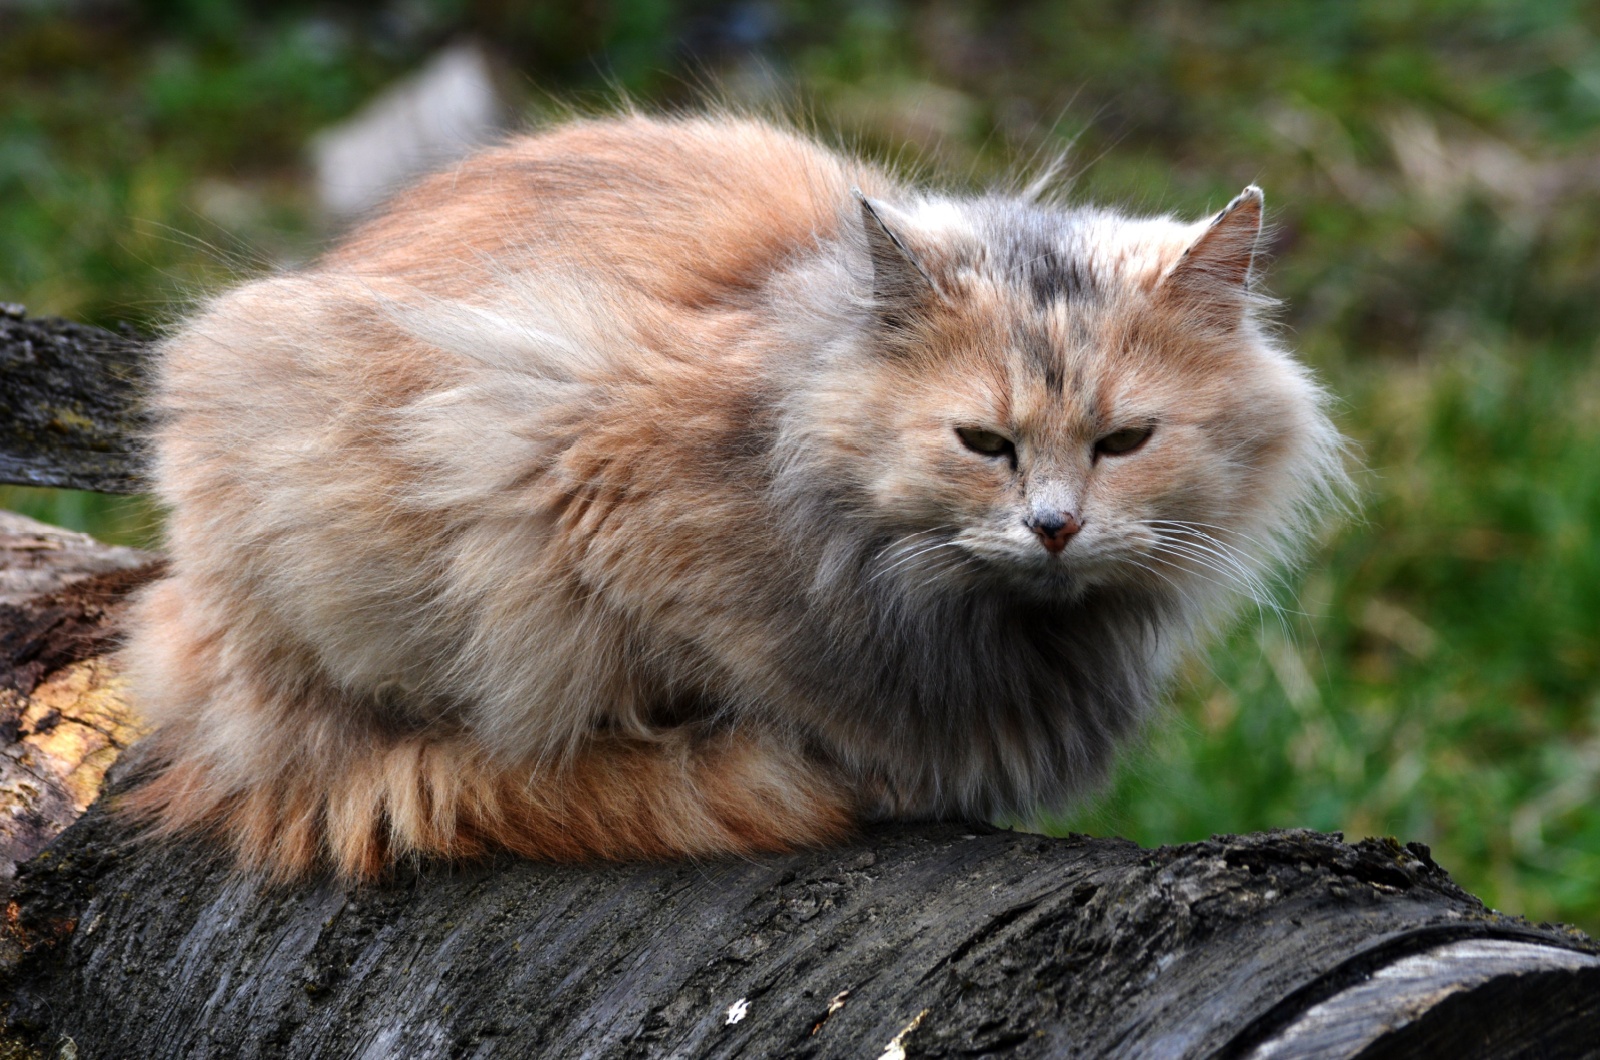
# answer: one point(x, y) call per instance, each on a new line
point(71, 404)
point(934, 940)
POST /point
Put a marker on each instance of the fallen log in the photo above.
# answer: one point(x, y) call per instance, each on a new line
point(930, 940)
point(948, 940)
point(72, 416)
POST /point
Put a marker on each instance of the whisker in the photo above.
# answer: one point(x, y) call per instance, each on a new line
point(1199, 528)
point(900, 543)
point(1262, 590)
point(1247, 565)
point(906, 559)
point(1225, 559)
point(1232, 579)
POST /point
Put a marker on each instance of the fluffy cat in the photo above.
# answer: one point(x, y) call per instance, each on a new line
point(667, 487)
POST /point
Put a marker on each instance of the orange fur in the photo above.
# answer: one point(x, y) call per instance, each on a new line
point(324, 787)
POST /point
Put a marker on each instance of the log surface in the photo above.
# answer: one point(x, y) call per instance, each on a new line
point(72, 414)
point(943, 941)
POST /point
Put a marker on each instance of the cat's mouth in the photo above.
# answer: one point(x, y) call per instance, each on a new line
point(1027, 566)
point(1013, 562)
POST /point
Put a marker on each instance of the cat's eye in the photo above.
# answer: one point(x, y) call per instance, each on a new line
point(1124, 441)
point(985, 442)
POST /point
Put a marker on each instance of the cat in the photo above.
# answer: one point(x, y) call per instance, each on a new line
point(653, 487)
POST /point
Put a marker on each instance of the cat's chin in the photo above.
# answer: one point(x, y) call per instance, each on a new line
point(1046, 579)
point(1064, 577)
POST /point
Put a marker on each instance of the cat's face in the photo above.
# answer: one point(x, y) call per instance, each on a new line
point(1119, 429)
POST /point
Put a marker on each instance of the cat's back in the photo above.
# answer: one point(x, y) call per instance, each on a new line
point(688, 211)
point(615, 237)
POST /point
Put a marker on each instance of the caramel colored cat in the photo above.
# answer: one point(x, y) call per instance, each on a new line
point(648, 488)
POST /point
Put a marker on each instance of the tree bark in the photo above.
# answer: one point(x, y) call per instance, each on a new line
point(933, 940)
point(948, 940)
point(72, 416)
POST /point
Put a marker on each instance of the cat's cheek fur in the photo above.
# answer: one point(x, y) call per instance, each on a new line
point(600, 498)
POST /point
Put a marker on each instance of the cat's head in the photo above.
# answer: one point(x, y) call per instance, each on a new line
point(1060, 400)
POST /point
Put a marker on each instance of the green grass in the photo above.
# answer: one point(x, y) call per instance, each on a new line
point(118, 520)
point(1430, 169)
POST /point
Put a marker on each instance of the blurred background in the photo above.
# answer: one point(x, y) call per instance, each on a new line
point(1433, 171)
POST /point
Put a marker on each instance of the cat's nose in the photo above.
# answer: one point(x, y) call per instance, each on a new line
point(1054, 528)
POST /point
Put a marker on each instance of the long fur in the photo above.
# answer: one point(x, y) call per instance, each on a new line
point(602, 498)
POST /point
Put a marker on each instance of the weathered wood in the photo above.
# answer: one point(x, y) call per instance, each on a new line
point(37, 559)
point(989, 943)
point(71, 415)
point(936, 940)
point(63, 720)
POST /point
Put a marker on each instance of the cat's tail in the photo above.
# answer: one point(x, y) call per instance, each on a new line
point(380, 801)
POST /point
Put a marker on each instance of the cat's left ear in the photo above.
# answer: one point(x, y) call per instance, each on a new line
point(1215, 269)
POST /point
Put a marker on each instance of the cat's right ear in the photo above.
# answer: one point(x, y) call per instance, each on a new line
point(901, 282)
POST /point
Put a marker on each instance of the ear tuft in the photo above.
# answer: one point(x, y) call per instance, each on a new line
point(1218, 262)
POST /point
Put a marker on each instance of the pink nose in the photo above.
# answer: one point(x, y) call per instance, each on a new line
point(1055, 529)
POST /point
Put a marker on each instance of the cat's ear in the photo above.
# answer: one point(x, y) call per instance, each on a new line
point(1214, 271)
point(901, 281)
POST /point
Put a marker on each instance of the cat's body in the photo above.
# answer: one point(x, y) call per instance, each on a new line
point(642, 489)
